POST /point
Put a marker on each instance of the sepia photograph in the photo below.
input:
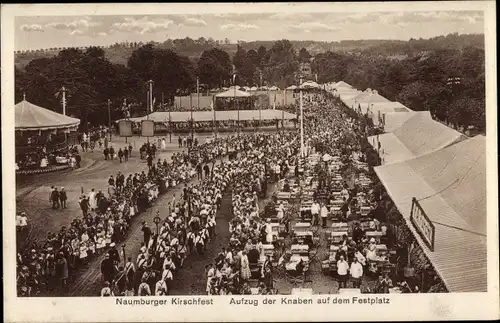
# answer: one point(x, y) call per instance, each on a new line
point(169, 154)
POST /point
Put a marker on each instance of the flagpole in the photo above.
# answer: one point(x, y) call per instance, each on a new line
point(151, 95)
point(237, 106)
point(301, 122)
point(64, 100)
point(192, 121)
point(215, 117)
point(198, 91)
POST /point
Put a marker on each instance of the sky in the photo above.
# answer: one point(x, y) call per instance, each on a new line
point(37, 32)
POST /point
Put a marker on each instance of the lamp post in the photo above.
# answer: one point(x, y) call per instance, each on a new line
point(109, 118)
point(156, 221)
point(192, 121)
point(124, 255)
point(301, 121)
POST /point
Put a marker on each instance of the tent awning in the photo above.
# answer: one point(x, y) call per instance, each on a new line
point(418, 136)
point(309, 84)
point(206, 116)
point(450, 186)
point(231, 93)
point(32, 117)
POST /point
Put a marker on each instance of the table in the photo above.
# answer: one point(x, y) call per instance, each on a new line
point(297, 258)
point(338, 202)
point(267, 248)
point(364, 210)
point(283, 195)
point(304, 225)
point(374, 234)
point(61, 160)
point(350, 291)
point(299, 248)
point(302, 291)
point(340, 227)
point(337, 235)
point(303, 234)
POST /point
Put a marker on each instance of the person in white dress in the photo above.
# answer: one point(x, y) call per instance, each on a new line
point(43, 162)
point(269, 232)
point(163, 144)
point(92, 200)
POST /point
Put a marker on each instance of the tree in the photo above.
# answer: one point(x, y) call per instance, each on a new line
point(214, 67)
point(304, 55)
point(244, 66)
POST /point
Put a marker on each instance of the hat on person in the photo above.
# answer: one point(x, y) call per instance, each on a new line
point(143, 249)
point(112, 244)
point(372, 240)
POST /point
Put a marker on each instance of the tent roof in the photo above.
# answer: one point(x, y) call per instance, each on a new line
point(394, 120)
point(291, 87)
point(450, 185)
point(254, 88)
point(418, 136)
point(383, 108)
point(370, 98)
point(33, 117)
point(231, 93)
point(348, 96)
point(309, 84)
point(204, 116)
point(274, 88)
point(342, 84)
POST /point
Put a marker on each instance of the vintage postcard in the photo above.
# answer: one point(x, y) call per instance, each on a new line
point(250, 162)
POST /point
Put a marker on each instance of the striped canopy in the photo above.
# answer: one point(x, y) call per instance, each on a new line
point(33, 117)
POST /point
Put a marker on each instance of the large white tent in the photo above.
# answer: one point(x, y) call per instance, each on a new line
point(450, 186)
point(29, 116)
point(418, 136)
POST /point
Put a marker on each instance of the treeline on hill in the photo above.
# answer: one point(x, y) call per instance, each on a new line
point(414, 73)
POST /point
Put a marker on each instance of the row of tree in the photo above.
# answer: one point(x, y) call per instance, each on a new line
point(449, 83)
point(418, 80)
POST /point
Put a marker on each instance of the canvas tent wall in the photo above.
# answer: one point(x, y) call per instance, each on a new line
point(450, 186)
point(418, 136)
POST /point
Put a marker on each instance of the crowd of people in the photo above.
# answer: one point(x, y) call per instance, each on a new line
point(248, 164)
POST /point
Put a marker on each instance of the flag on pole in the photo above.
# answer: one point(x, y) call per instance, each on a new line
point(234, 78)
point(274, 102)
point(197, 84)
point(316, 77)
point(153, 105)
point(212, 105)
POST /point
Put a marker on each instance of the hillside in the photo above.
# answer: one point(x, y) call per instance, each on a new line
point(193, 48)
